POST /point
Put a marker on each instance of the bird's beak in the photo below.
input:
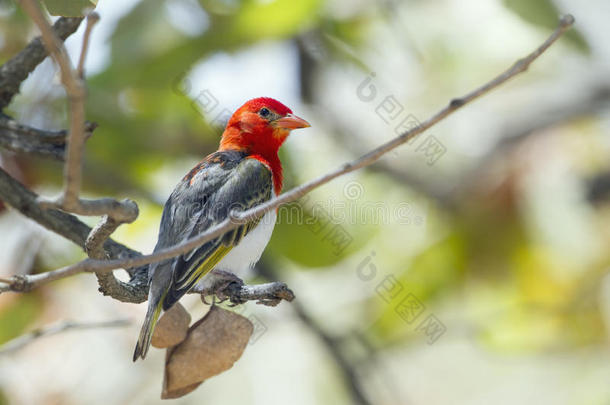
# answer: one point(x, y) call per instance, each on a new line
point(291, 122)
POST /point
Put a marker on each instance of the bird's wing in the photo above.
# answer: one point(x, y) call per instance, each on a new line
point(223, 182)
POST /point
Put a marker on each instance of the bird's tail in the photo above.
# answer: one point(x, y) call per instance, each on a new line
point(152, 316)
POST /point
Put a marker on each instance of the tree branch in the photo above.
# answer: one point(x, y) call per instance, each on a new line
point(25, 201)
point(23, 340)
point(92, 19)
point(115, 212)
point(268, 294)
point(68, 226)
point(75, 90)
point(125, 211)
point(237, 219)
point(17, 69)
point(23, 139)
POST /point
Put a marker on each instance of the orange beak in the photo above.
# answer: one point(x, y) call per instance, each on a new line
point(291, 122)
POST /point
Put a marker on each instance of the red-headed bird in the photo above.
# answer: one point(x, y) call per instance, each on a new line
point(245, 172)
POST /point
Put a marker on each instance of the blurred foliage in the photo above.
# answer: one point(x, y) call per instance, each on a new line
point(544, 13)
point(68, 8)
point(480, 258)
point(312, 225)
point(17, 313)
point(14, 29)
point(141, 91)
point(3, 398)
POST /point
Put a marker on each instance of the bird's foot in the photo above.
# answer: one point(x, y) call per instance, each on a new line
point(223, 275)
point(227, 286)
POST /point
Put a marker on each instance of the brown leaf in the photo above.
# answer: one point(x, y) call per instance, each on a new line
point(172, 327)
point(180, 392)
point(213, 345)
point(175, 393)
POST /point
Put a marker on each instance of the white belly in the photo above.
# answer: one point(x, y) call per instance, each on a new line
point(245, 255)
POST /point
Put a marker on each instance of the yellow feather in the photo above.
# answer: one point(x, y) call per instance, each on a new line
point(209, 263)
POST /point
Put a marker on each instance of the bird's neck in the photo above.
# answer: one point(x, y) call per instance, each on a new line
point(262, 147)
point(274, 164)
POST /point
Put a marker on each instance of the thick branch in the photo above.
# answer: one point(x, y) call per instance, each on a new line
point(23, 139)
point(25, 201)
point(124, 211)
point(17, 69)
point(269, 294)
point(236, 220)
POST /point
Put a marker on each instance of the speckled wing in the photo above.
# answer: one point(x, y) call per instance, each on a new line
point(223, 182)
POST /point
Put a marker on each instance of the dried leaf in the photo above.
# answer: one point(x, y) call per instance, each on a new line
point(172, 327)
point(176, 393)
point(213, 345)
point(180, 392)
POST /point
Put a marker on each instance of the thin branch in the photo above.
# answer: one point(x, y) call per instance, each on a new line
point(54, 47)
point(75, 90)
point(235, 220)
point(20, 342)
point(17, 69)
point(92, 19)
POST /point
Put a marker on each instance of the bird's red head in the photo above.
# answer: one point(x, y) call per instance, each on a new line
point(259, 128)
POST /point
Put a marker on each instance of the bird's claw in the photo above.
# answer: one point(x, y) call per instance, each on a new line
point(225, 287)
point(227, 276)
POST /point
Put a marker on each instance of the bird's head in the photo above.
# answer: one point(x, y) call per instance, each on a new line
point(260, 126)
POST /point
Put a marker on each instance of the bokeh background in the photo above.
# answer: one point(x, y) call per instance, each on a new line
point(468, 267)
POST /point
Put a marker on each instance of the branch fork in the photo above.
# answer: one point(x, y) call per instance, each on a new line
point(114, 212)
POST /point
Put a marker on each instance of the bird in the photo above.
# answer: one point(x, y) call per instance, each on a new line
point(244, 172)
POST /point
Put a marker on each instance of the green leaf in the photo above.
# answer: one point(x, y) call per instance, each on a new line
point(69, 8)
point(543, 13)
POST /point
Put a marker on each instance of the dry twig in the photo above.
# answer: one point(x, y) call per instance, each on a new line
point(20, 342)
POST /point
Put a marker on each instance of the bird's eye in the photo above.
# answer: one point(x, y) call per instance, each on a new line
point(264, 112)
